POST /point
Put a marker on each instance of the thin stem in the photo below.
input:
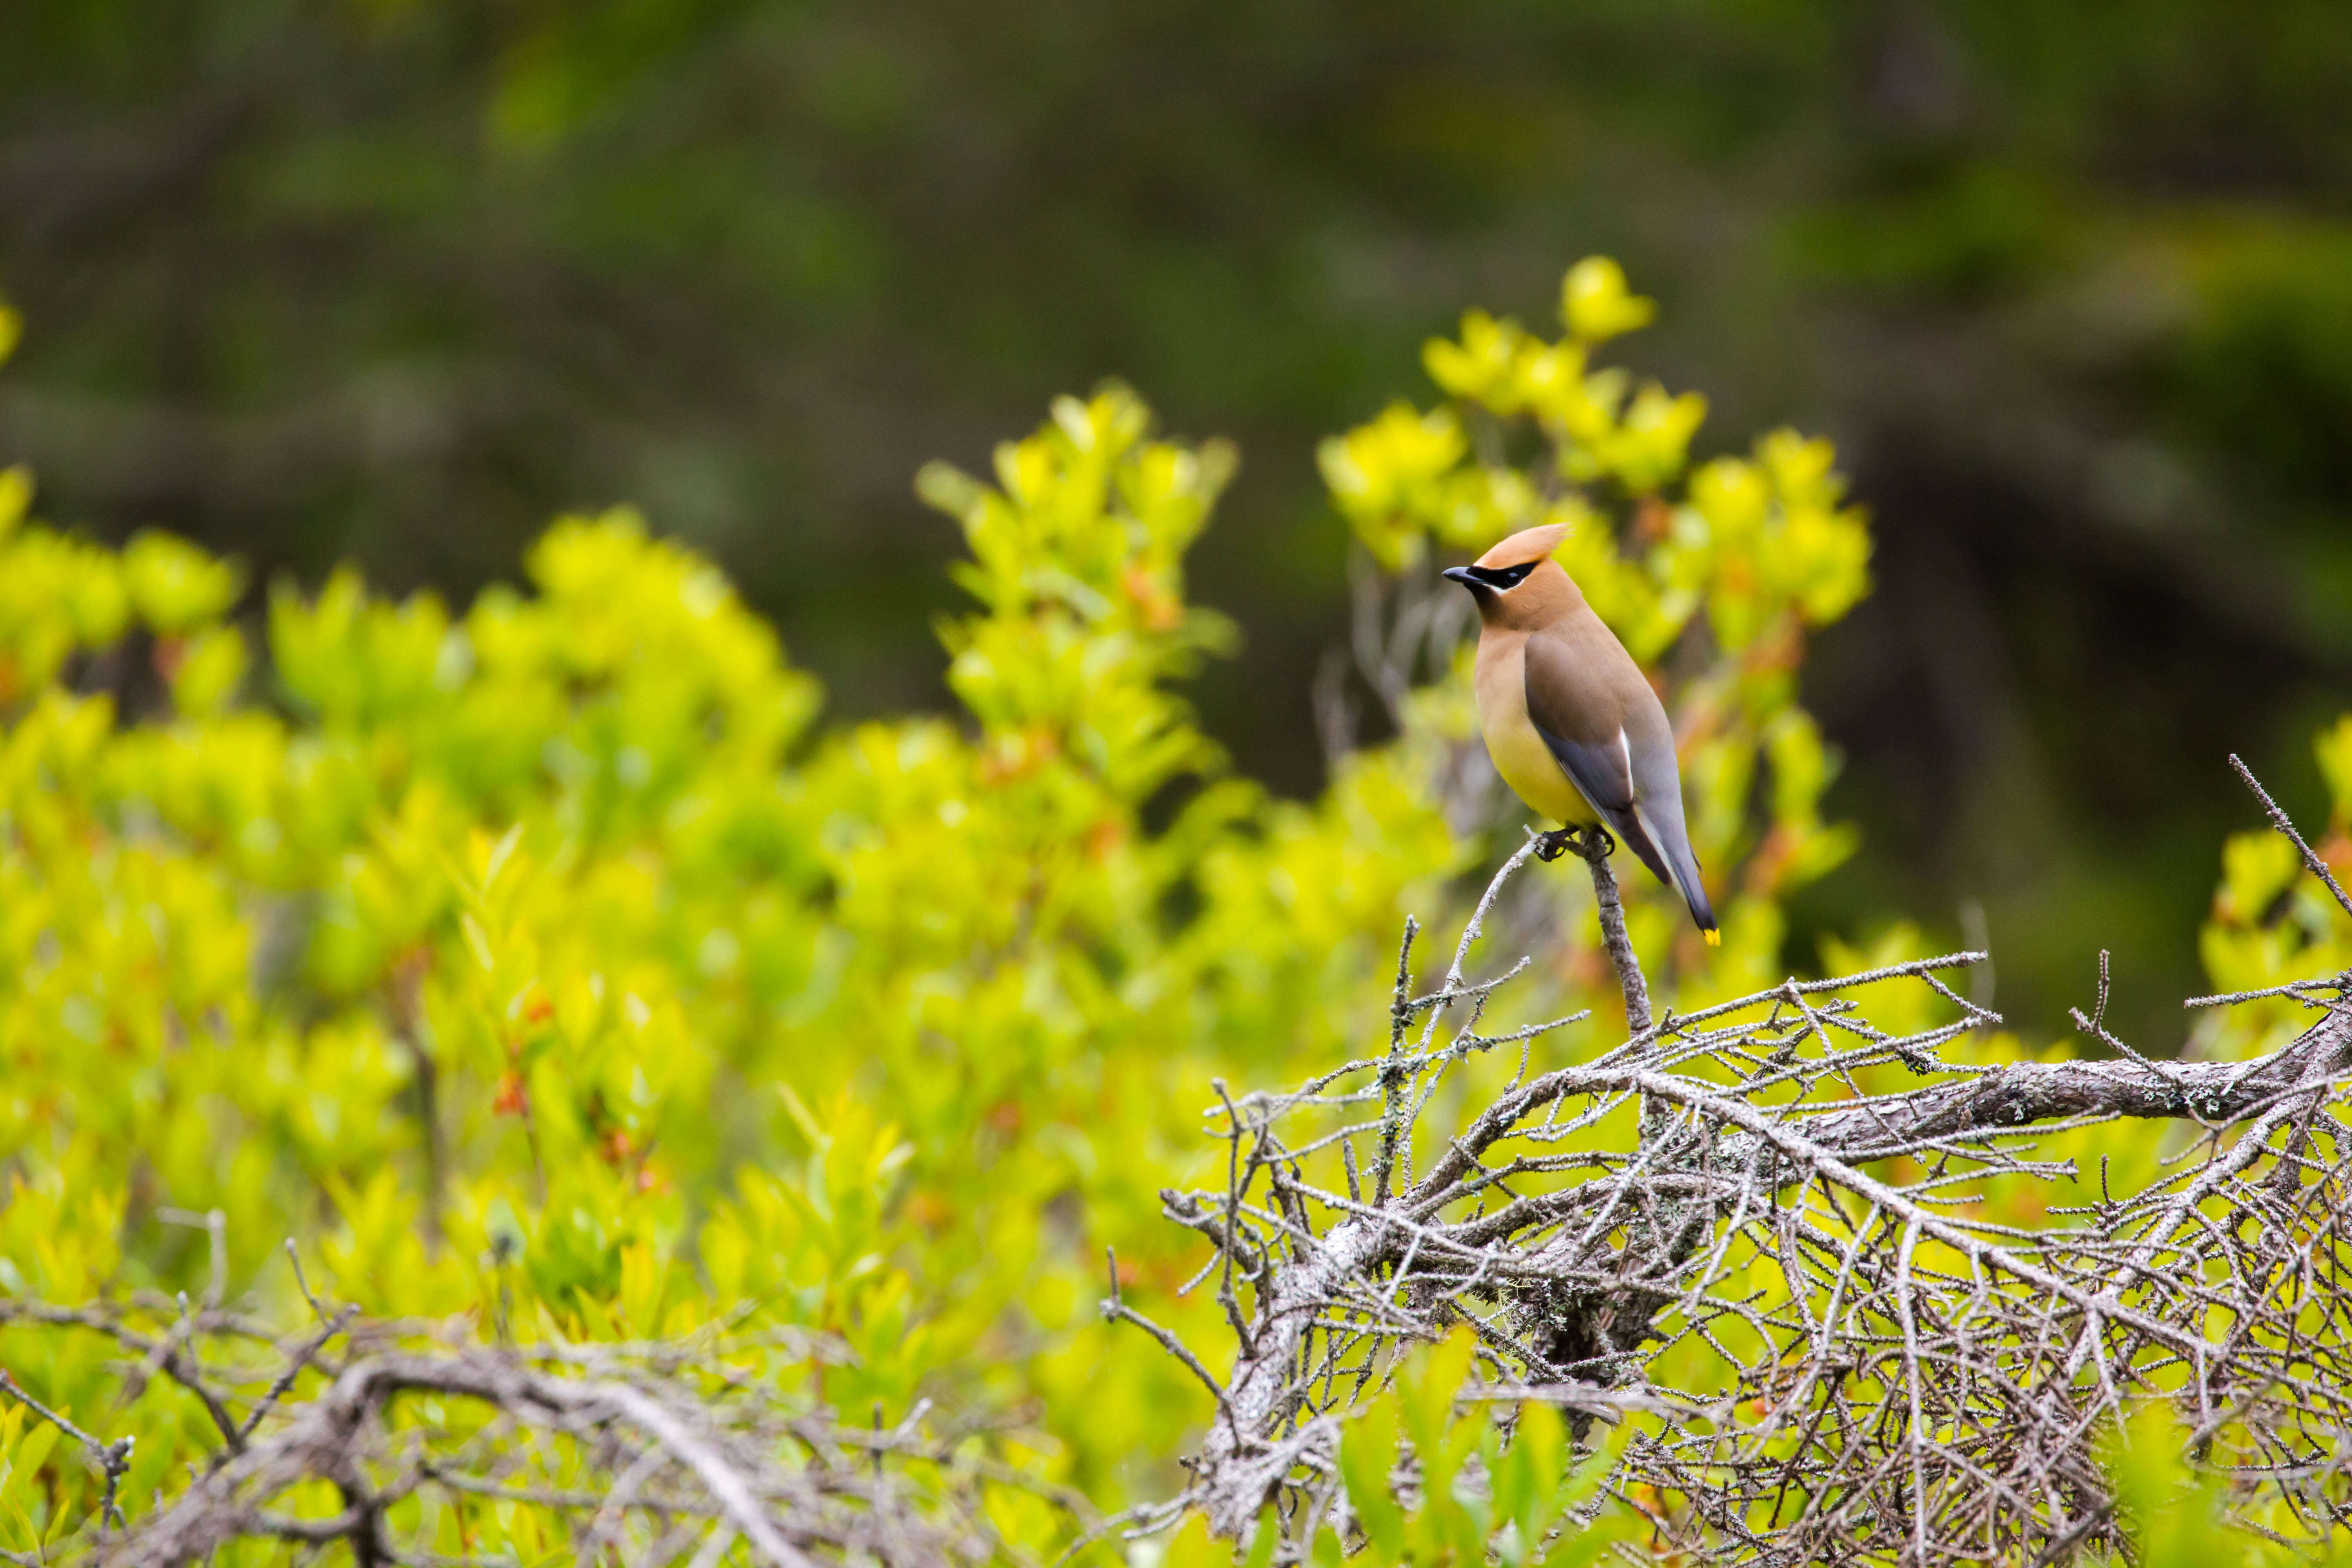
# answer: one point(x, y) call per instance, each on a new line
point(2280, 820)
point(1594, 848)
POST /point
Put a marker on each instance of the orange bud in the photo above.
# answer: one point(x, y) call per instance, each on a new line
point(514, 1098)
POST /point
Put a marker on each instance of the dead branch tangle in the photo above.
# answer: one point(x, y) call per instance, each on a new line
point(668, 1452)
point(1789, 1280)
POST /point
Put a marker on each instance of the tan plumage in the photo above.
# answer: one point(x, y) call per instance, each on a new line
point(1572, 725)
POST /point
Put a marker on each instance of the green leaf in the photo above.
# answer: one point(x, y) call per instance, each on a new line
point(18, 1486)
point(2335, 751)
point(1539, 1446)
point(1368, 1450)
point(1426, 1389)
point(1269, 1536)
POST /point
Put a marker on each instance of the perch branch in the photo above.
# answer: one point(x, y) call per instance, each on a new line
point(1884, 1373)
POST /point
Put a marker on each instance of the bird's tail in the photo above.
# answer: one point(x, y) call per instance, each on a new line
point(1671, 843)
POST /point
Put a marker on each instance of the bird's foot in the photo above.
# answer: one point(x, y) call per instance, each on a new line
point(1587, 842)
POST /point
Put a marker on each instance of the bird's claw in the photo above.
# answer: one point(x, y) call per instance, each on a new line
point(1586, 842)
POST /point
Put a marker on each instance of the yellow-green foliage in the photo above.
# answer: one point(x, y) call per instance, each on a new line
point(540, 961)
point(2177, 1517)
point(1431, 1477)
point(547, 965)
point(2274, 924)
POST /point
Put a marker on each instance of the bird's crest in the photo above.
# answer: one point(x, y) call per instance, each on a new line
point(1527, 544)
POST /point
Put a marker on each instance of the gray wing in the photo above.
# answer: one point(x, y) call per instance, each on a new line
point(1575, 707)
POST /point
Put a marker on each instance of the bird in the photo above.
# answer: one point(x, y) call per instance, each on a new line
point(1570, 722)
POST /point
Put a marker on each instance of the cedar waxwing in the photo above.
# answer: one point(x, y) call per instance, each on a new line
point(1572, 724)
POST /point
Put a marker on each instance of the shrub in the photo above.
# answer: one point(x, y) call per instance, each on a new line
point(547, 974)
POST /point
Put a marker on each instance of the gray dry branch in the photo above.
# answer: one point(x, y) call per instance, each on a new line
point(670, 1452)
point(1788, 1284)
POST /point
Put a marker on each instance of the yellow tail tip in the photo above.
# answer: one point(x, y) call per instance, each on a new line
point(1714, 939)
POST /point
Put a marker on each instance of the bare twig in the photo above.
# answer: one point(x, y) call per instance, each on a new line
point(2280, 820)
point(1594, 848)
point(111, 1459)
point(663, 1451)
point(1872, 1369)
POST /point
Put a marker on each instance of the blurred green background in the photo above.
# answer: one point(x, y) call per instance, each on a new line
point(2070, 285)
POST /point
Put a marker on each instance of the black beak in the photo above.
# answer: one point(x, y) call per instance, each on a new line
point(1462, 574)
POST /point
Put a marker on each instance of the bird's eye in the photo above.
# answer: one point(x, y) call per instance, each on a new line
point(1494, 579)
